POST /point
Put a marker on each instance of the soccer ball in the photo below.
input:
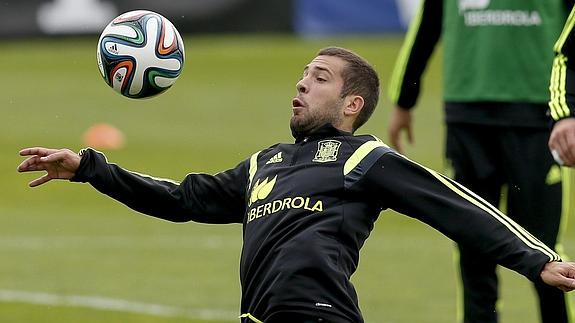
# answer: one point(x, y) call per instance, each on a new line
point(140, 54)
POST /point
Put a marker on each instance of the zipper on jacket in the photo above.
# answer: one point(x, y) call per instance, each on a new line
point(296, 153)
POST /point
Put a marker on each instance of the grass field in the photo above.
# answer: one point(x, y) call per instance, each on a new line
point(69, 254)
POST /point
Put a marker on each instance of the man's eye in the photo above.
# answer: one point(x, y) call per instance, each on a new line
point(320, 79)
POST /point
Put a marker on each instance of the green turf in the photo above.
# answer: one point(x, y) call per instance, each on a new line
point(233, 99)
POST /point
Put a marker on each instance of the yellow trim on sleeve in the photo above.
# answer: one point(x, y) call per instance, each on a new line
point(476, 200)
point(360, 154)
point(154, 178)
point(253, 167)
point(251, 317)
point(401, 64)
point(566, 31)
point(558, 104)
point(515, 228)
point(553, 89)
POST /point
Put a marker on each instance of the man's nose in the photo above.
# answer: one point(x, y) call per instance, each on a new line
point(301, 86)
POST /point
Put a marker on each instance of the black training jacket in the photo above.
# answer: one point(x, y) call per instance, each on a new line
point(307, 209)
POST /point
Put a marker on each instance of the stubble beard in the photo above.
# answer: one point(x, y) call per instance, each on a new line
point(303, 125)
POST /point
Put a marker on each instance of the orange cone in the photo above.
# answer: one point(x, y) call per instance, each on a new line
point(104, 136)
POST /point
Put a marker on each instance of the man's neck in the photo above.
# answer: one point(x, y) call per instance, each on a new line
point(326, 130)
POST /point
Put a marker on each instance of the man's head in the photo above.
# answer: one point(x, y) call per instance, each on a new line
point(337, 87)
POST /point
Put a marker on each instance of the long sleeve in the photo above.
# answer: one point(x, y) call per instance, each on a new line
point(423, 34)
point(562, 87)
point(421, 193)
point(199, 197)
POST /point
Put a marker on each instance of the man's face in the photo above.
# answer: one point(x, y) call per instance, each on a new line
point(318, 99)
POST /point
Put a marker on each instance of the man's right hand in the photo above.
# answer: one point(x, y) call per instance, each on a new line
point(400, 120)
point(58, 163)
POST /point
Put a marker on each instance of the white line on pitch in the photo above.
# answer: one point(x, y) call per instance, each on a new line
point(111, 304)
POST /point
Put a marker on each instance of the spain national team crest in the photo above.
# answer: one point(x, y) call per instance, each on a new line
point(326, 151)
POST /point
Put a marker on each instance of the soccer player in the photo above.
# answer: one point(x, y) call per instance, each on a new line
point(496, 62)
point(307, 207)
point(562, 103)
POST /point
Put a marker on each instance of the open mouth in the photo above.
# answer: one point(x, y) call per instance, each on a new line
point(297, 103)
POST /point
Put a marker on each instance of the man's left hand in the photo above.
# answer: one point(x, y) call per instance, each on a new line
point(560, 275)
point(562, 141)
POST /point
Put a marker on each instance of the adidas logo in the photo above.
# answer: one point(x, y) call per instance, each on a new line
point(113, 49)
point(277, 158)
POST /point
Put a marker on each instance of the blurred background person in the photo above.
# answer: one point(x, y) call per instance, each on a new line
point(496, 64)
point(562, 103)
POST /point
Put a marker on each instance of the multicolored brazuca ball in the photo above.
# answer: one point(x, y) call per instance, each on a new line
point(140, 54)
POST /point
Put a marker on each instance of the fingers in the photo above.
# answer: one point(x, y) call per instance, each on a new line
point(569, 150)
point(395, 140)
point(39, 151)
point(31, 164)
point(565, 145)
point(42, 157)
point(565, 151)
point(36, 163)
point(40, 181)
point(567, 285)
point(409, 134)
point(400, 120)
point(571, 285)
point(562, 140)
point(58, 163)
point(560, 275)
point(57, 155)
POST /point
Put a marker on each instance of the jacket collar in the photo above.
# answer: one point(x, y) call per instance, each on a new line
point(327, 130)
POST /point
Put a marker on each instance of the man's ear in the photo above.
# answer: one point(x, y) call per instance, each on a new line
point(353, 106)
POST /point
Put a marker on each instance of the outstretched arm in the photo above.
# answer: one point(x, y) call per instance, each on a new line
point(58, 163)
point(452, 209)
point(199, 197)
point(447, 206)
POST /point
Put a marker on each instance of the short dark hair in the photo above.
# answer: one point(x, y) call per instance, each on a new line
point(359, 78)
